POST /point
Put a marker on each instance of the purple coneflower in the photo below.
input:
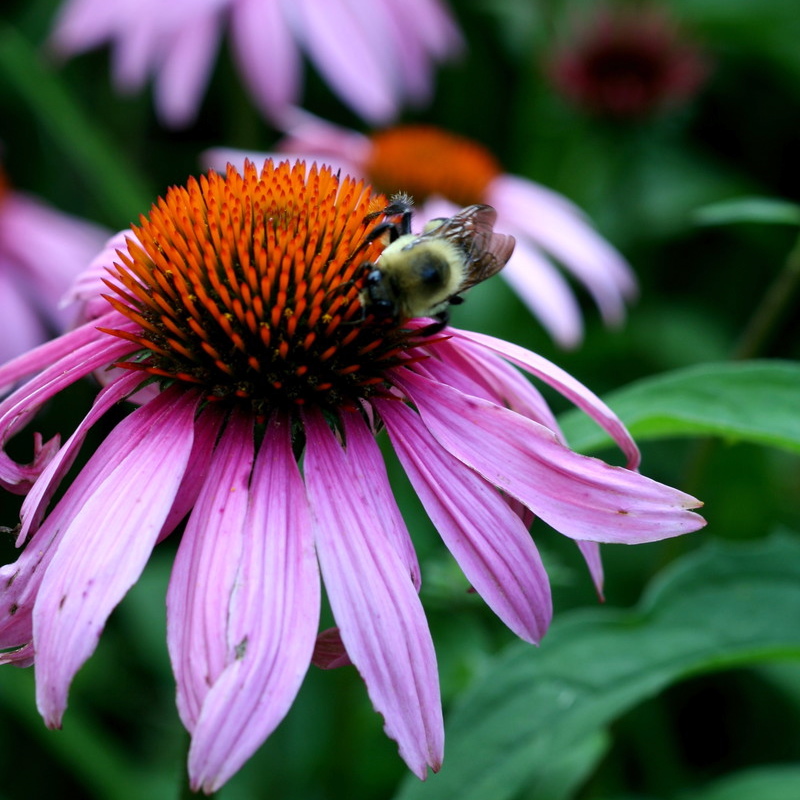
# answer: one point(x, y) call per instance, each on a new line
point(627, 62)
point(233, 314)
point(396, 44)
point(444, 171)
point(41, 252)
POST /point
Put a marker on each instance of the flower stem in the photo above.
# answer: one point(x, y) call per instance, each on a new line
point(772, 308)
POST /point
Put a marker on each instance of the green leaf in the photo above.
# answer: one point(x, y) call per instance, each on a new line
point(751, 401)
point(780, 782)
point(520, 726)
point(72, 130)
point(749, 209)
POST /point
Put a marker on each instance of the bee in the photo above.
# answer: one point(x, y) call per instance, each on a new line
point(422, 275)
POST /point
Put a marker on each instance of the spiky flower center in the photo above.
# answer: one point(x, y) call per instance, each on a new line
point(247, 286)
point(424, 160)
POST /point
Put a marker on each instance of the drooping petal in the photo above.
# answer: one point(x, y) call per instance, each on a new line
point(489, 377)
point(591, 554)
point(373, 600)
point(22, 327)
point(207, 428)
point(35, 504)
point(561, 229)
point(367, 459)
point(137, 44)
point(90, 352)
point(64, 246)
point(273, 619)
point(41, 357)
point(205, 571)
point(433, 23)
point(268, 56)
point(347, 41)
point(486, 537)
point(424, 33)
point(19, 583)
point(581, 497)
point(562, 382)
point(108, 541)
point(83, 24)
point(539, 284)
point(186, 69)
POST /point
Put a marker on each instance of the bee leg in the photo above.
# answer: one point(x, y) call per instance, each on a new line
point(442, 318)
point(455, 300)
point(392, 228)
point(400, 207)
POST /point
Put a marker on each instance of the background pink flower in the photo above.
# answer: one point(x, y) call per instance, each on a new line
point(41, 251)
point(396, 44)
point(443, 172)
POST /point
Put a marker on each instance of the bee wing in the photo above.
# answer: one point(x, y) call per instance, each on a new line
point(486, 251)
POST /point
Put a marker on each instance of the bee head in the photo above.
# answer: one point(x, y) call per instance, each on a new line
point(376, 294)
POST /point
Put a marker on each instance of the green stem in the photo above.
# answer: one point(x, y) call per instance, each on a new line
point(765, 319)
point(772, 308)
point(118, 189)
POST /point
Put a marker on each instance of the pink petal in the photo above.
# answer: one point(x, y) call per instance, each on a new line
point(72, 356)
point(186, 69)
point(591, 554)
point(64, 246)
point(35, 504)
point(367, 459)
point(562, 382)
point(539, 284)
point(433, 22)
point(267, 54)
point(137, 46)
point(43, 356)
point(108, 541)
point(22, 326)
point(205, 571)
point(207, 428)
point(424, 32)
point(473, 370)
point(560, 228)
point(329, 650)
point(83, 24)
point(486, 537)
point(581, 497)
point(373, 600)
point(19, 583)
point(309, 136)
point(346, 42)
point(273, 618)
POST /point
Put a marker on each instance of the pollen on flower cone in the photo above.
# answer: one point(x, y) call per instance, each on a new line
point(235, 291)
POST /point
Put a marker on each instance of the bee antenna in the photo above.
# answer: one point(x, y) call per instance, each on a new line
point(401, 200)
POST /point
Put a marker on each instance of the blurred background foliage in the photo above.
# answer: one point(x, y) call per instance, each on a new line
point(721, 722)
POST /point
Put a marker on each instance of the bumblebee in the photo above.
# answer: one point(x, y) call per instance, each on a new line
point(422, 275)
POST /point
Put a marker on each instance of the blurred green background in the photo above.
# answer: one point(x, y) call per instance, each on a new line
point(718, 724)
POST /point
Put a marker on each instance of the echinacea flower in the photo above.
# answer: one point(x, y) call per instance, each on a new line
point(41, 252)
point(444, 171)
point(395, 44)
point(627, 62)
point(233, 313)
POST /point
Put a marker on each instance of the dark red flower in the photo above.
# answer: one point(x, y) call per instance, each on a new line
point(627, 62)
